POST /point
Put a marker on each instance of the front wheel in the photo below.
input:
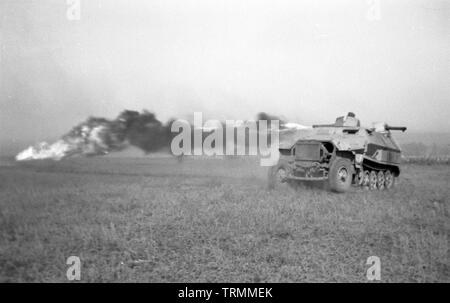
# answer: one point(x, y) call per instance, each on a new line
point(340, 175)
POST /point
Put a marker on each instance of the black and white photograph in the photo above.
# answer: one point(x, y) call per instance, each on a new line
point(224, 146)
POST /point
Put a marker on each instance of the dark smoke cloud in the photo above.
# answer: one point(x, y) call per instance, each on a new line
point(262, 116)
point(143, 130)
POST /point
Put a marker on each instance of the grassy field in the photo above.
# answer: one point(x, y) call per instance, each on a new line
point(211, 220)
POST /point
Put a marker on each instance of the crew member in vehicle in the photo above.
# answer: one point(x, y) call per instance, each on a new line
point(348, 120)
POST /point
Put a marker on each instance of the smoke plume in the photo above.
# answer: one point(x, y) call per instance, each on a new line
point(99, 136)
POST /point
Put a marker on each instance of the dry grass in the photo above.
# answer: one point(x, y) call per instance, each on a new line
point(156, 220)
point(445, 160)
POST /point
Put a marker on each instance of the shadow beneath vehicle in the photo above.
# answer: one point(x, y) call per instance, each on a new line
point(302, 185)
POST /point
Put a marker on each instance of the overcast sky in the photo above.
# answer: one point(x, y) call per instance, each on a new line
point(308, 61)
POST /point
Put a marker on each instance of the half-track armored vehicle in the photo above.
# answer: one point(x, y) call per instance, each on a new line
point(344, 154)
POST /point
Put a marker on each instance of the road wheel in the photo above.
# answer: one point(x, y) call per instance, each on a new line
point(380, 180)
point(340, 175)
point(373, 180)
point(366, 180)
point(360, 178)
point(278, 175)
point(389, 180)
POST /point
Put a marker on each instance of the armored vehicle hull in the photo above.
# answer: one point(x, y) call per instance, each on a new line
point(342, 155)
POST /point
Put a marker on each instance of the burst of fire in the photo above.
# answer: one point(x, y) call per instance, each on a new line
point(90, 138)
point(96, 136)
point(99, 136)
point(44, 150)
